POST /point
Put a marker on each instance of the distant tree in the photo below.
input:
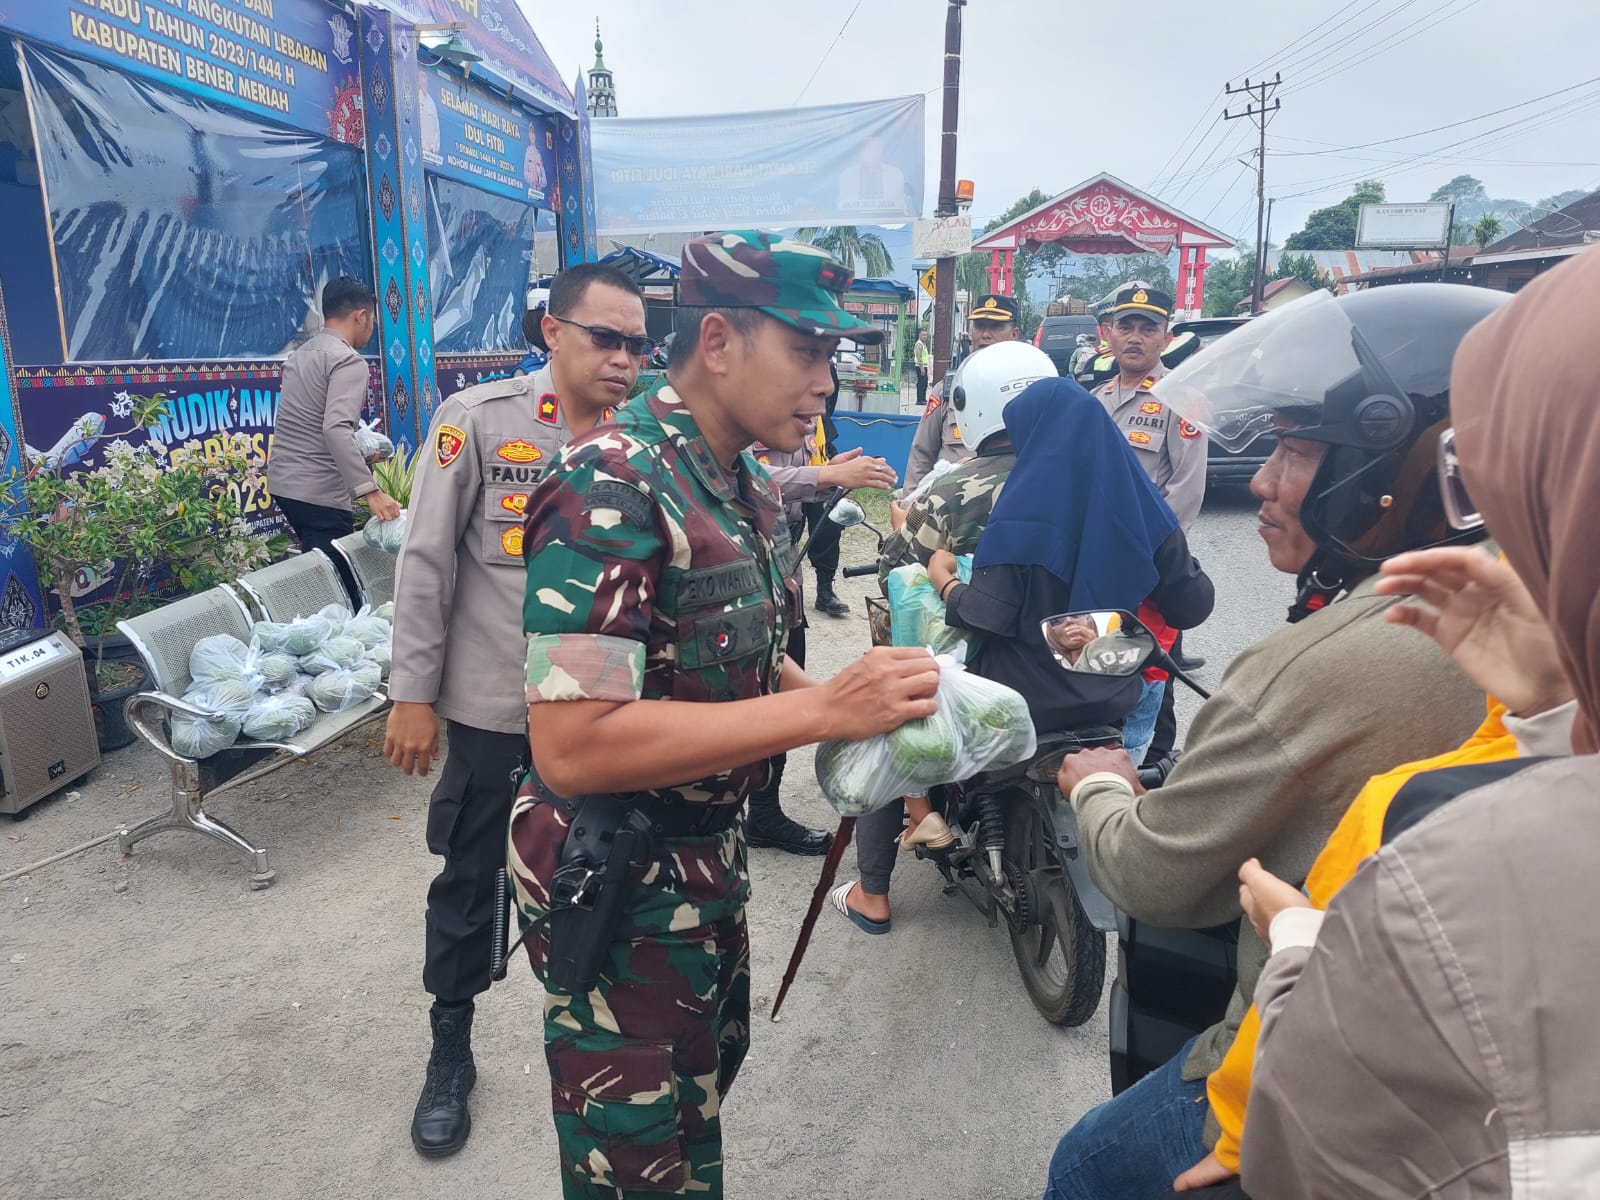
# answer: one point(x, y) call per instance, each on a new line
point(1488, 229)
point(1463, 189)
point(1228, 281)
point(1304, 268)
point(851, 247)
point(1334, 227)
point(1093, 276)
point(1562, 199)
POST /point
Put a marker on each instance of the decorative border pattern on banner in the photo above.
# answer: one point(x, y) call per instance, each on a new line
point(21, 599)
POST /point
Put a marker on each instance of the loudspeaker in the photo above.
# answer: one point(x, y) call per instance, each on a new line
point(47, 736)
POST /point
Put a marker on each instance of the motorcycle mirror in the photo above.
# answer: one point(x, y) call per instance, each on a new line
point(847, 513)
point(1109, 642)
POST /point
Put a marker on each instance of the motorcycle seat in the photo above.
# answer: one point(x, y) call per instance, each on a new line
point(1052, 748)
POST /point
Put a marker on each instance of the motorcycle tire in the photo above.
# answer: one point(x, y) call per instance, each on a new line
point(1060, 954)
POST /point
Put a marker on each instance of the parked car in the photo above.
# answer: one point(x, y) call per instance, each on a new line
point(1221, 465)
point(1058, 337)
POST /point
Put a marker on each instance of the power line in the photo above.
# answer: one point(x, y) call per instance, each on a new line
point(1383, 46)
point(829, 50)
point(1261, 112)
point(1307, 62)
point(1277, 55)
point(1185, 139)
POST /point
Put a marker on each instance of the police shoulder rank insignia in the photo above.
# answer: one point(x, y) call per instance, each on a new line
point(515, 503)
point(549, 408)
point(511, 541)
point(520, 451)
point(1151, 407)
point(1149, 382)
point(955, 430)
point(1186, 430)
point(1139, 438)
point(448, 444)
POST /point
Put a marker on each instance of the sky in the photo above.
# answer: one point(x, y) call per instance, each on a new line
point(1051, 94)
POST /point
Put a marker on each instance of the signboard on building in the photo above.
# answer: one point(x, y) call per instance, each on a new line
point(1403, 226)
point(844, 164)
point(293, 61)
point(474, 137)
point(941, 237)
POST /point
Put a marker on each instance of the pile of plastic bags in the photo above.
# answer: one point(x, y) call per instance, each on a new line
point(271, 687)
point(979, 725)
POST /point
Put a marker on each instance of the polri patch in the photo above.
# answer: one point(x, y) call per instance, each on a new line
point(1138, 438)
point(511, 541)
point(519, 451)
point(1152, 407)
point(633, 504)
point(1186, 430)
point(549, 409)
point(517, 503)
point(448, 444)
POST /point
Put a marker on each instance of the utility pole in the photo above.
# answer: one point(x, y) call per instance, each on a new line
point(1259, 110)
point(944, 269)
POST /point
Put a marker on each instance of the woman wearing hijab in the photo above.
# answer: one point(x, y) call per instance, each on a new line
point(1078, 528)
point(1433, 1034)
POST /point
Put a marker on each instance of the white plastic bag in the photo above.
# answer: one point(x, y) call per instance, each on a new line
point(979, 725)
point(300, 685)
point(275, 670)
point(916, 613)
point(383, 655)
point(300, 636)
point(220, 656)
point(385, 610)
point(196, 737)
point(370, 443)
point(229, 697)
point(278, 718)
point(367, 628)
point(941, 468)
point(335, 654)
point(335, 691)
point(385, 535)
point(336, 615)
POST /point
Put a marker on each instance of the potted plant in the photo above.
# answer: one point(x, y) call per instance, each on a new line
point(153, 522)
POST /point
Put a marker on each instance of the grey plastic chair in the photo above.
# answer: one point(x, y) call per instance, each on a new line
point(165, 638)
point(373, 568)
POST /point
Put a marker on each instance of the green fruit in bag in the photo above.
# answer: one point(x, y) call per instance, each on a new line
point(927, 749)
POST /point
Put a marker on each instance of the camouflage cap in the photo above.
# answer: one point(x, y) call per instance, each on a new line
point(797, 283)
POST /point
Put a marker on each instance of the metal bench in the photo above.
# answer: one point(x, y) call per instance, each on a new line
point(164, 638)
point(373, 568)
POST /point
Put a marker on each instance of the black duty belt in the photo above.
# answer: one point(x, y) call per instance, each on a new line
point(673, 820)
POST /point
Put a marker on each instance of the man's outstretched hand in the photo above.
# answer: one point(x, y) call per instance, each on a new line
point(879, 692)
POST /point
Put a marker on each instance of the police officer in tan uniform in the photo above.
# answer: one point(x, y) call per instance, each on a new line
point(938, 434)
point(1172, 451)
point(457, 633)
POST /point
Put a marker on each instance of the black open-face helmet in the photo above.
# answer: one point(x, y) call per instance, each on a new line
point(1369, 375)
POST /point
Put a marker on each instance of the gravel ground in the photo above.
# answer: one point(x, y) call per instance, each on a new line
point(167, 1032)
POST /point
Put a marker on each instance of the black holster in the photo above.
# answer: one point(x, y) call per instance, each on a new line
point(610, 838)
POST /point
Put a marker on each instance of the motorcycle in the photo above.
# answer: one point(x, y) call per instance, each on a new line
point(1017, 855)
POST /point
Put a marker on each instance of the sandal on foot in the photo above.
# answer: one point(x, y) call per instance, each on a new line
point(931, 833)
point(863, 923)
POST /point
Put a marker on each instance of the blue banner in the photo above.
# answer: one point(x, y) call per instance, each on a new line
point(474, 137)
point(839, 164)
point(291, 60)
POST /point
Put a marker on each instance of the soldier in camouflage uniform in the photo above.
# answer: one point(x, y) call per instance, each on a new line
point(657, 607)
point(938, 435)
point(458, 603)
point(950, 516)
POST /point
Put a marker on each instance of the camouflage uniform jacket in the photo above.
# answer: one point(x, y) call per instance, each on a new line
point(1171, 451)
point(951, 515)
point(458, 583)
point(938, 437)
point(655, 574)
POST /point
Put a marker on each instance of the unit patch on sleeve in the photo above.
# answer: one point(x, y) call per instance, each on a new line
point(448, 444)
point(633, 504)
point(519, 451)
point(1186, 430)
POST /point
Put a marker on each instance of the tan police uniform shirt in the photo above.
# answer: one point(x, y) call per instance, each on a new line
point(314, 456)
point(459, 581)
point(1172, 451)
point(938, 437)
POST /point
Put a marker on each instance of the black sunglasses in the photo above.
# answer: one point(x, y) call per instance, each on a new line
point(612, 339)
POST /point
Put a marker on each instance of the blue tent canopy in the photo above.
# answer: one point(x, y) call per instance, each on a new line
point(886, 286)
point(642, 266)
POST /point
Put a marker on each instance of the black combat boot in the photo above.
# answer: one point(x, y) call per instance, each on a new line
point(829, 603)
point(441, 1123)
point(769, 825)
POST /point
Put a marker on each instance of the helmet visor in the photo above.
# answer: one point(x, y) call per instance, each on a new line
point(1274, 375)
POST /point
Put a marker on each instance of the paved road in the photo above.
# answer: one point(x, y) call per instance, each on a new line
point(166, 1032)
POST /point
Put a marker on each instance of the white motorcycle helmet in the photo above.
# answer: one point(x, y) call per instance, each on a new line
point(989, 380)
